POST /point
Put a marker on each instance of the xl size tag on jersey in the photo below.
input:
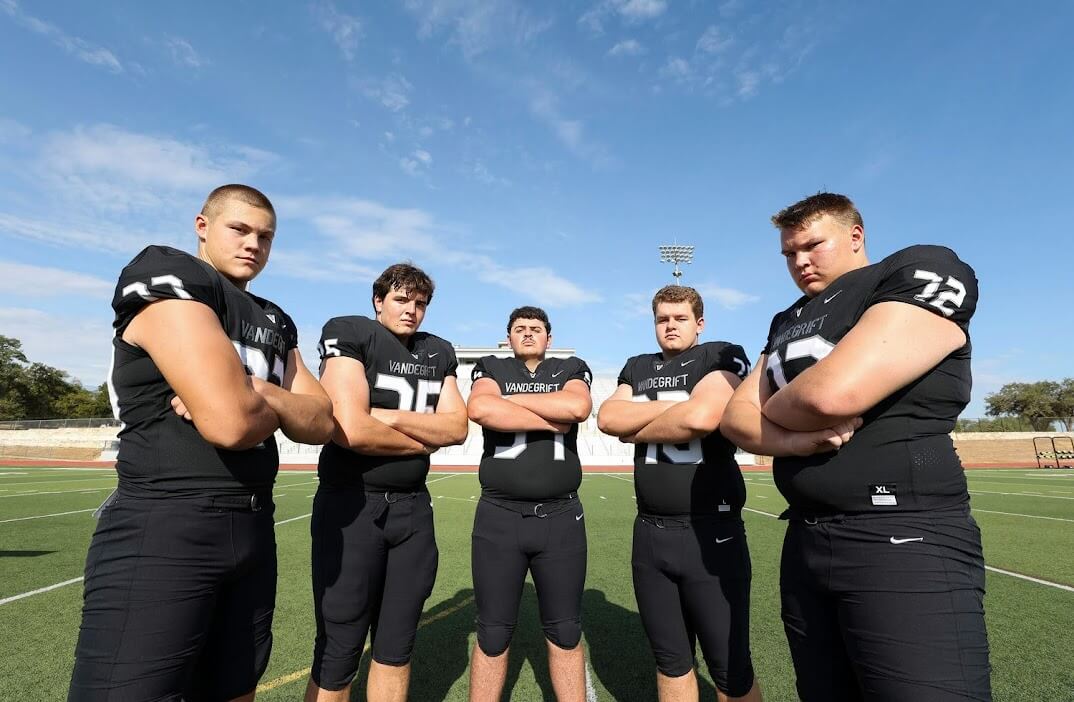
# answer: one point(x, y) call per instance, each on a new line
point(883, 495)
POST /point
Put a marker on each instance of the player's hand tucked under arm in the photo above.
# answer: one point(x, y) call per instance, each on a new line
point(570, 405)
point(492, 411)
point(303, 406)
point(699, 416)
point(892, 345)
point(620, 416)
point(745, 425)
point(201, 366)
point(344, 380)
point(445, 427)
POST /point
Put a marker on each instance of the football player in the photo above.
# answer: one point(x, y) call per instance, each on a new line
point(396, 400)
point(860, 383)
point(529, 517)
point(181, 572)
point(690, 560)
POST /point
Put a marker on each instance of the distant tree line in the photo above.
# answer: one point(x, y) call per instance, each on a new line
point(38, 391)
point(1046, 405)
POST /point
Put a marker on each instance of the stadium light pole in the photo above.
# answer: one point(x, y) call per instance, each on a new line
point(676, 254)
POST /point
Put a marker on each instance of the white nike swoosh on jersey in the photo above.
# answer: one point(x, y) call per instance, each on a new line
point(686, 363)
point(555, 374)
point(829, 299)
point(434, 355)
point(724, 541)
point(578, 517)
point(905, 541)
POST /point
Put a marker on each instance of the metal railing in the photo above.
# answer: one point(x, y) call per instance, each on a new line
point(22, 424)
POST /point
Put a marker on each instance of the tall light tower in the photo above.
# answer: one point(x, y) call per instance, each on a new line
point(677, 254)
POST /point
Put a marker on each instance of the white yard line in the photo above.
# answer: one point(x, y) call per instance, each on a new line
point(1018, 494)
point(1029, 516)
point(38, 591)
point(42, 516)
point(1030, 578)
point(449, 497)
point(55, 492)
point(430, 482)
point(61, 480)
point(590, 691)
point(618, 477)
point(293, 519)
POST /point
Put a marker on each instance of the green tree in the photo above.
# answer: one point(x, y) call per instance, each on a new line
point(1038, 403)
point(13, 390)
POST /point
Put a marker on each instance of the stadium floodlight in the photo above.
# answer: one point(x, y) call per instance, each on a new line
point(676, 254)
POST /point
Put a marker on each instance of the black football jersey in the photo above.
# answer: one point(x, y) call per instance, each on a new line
point(401, 377)
point(700, 476)
point(902, 457)
point(160, 451)
point(530, 465)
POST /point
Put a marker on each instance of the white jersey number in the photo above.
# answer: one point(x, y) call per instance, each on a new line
point(815, 347)
point(515, 449)
point(673, 453)
point(408, 400)
point(956, 295)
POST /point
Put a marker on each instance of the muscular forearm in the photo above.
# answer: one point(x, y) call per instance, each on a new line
point(498, 414)
point(306, 419)
point(795, 407)
point(624, 417)
point(747, 428)
point(678, 424)
point(368, 436)
point(435, 429)
point(563, 406)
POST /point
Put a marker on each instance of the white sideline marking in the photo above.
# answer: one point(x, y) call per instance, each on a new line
point(757, 511)
point(430, 482)
point(64, 481)
point(590, 691)
point(1030, 578)
point(448, 497)
point(38, 591)
point(8, 474)
point(42, 516)
point(1018, 494)
point(1029, 516)
point(72, 581)
point(55, 492)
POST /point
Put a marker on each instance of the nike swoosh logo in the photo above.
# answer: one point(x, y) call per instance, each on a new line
point(829, 299)
point(578, 517)
point(724, 541)
point(434, 355)
point(906, 541)
point(555, 374)
point(686, 363)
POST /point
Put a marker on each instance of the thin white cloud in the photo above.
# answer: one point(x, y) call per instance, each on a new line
point(12, 132)
point(630, 11)
point(345, 30)
point(80, 346)
point(112, 169)
point(728, 298)
point(96, 236)
point(677, 68)
point(39, 281)
point(627, 47)
point(359, 231)
point(81, 49)
point(183, 54)
point(307, 266)
point(476, 26)
point(714, 41)
point(571, 132)
point(393, 92)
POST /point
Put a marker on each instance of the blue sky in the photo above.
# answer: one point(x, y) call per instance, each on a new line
point(537, 153)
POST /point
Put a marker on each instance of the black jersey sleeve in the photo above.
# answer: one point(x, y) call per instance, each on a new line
point(164, 273)
point(483, 368)
point(452, 368)
point(345, 336)
point(289, 331)
point(732, 358)
point(771, 333)
point(626, 376)
point(578, 370)
point(930, 277)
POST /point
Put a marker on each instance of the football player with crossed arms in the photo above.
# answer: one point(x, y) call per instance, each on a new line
point(529, 517)
point(181, 573)
point(690, 560)
point(860, 383)
point(374, 555)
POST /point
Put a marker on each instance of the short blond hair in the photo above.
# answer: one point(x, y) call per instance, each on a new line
point(680, 293)
point(236, 191)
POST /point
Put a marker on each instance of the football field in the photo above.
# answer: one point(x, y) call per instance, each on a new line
point(1027, 517)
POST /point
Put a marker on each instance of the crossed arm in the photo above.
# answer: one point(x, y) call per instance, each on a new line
point(377, 432)
point(892, 345)
point(663, 421)
point(552, 411)
point(230, 409)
